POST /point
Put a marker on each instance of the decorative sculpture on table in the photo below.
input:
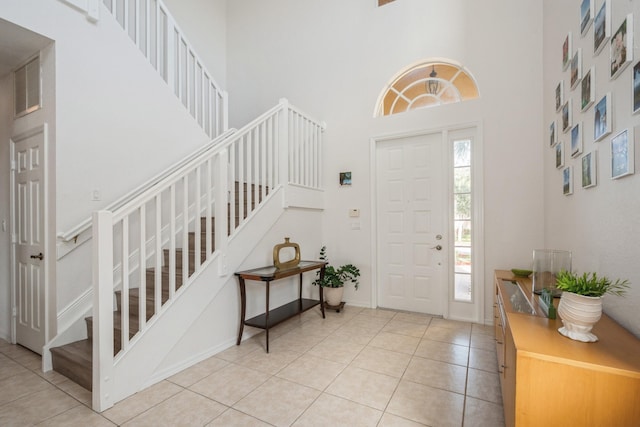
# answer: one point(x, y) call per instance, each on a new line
point(281, 265)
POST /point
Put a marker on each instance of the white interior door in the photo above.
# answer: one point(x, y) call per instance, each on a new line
point(411, 255)
point(28, 165)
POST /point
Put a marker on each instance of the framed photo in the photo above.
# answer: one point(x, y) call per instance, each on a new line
point(553, 136)
point(559, 95)
point(602, 118)
point(576, 140)
point(636, 88)
point(622, 47)
point(566, 116)
point(587, 9)
point(622, 154)
point(566, 51)
point(589, 170)
point(576, 68)
point(559, 155)
point(345, 178)
point(602, 27)
point(588, 93)
point(567, 181)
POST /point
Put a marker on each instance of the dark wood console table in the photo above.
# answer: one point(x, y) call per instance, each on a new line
point(271, 318)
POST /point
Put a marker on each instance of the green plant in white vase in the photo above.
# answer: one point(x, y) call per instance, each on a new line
point(334, 279)
point(580, 305)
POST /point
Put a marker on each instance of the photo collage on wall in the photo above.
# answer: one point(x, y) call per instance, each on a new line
point(580, 131)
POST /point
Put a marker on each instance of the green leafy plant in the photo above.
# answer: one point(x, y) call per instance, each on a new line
point(589, 284)
point(336, 277)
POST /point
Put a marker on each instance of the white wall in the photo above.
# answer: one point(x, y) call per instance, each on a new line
point(600, 225)
point(204, 24)
point(333, 58)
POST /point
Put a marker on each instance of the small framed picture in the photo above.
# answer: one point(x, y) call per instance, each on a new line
point(566, 116)
point(559, 155)
point(602, 118)
point(622, 47)
point(602, 27)
point(589, 171)
point(622, 154)
point(576, 68)
point(567, 181)
point(588, 92)
point(559, 95)
point(576, 140)
point(345, 178)
point(636, 88)
point(587, 9)
point(566, 51)
point(553, 136)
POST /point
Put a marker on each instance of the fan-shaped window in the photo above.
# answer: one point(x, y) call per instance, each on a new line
point(426, 85)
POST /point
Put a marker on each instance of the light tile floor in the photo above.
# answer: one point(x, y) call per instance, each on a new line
point(359, 367)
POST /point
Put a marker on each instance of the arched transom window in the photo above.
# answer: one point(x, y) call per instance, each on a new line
point(427, 84)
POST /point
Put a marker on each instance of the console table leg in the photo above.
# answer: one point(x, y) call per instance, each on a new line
point(322, 293)
point(243, 306)
point(300, 294)
point(266, 316)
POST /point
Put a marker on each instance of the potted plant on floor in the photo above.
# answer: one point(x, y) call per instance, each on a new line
point(580, 305)
point(335, 278)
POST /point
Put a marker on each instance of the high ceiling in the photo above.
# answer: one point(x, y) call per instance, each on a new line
point(17, 44)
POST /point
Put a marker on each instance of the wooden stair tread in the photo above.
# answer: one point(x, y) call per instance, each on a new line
point(78, 351)
point(75, 361)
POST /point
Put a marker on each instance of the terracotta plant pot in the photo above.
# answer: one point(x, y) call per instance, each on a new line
point(579, 313)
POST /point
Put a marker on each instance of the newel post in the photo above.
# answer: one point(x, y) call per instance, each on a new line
point(102, 265)
point(283, 143)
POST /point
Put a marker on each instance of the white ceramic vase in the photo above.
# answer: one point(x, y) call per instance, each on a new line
point(333, 296)
point(579, 313)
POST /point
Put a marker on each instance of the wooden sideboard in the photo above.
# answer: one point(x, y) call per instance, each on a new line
point(550, 380)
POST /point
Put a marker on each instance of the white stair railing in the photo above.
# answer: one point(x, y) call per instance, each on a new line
point(198, 207)
point(154, 31)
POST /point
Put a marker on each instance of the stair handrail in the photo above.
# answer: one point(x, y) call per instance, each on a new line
point(85, 225)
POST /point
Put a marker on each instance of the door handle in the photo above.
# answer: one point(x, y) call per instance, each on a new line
point(39, 256)
point(437, 247)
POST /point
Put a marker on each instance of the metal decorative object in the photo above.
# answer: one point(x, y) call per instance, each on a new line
point(286, 264)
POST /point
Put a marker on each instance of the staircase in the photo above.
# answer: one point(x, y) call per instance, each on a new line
point(144, 248)
point(75, 360)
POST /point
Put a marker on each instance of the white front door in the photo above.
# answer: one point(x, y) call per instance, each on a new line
point(411, 213)
point(29, 285)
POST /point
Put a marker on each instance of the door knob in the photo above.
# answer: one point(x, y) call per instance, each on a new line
point(437, 247)
point(39, 256)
